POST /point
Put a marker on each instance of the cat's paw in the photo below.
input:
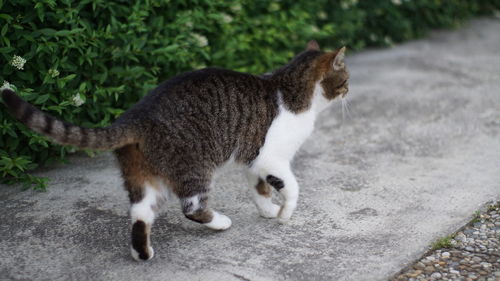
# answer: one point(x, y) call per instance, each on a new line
point(144, 256)
point(283, 221)
point(269, 211)
point(219, 222)
point(284, 215)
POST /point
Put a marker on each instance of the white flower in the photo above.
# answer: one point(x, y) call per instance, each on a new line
point(388, 40)
point(273, 7)
point(314, 29)
point(200, 39)
point(397, 2)
point(373, 37)
point(227, 18)
point(198, 65)
point(53, 72)
point(236, 8)
point(77, 100)
point(189, 24)
point(322, 15)
point(346, 4)
point(18, 62)
point(7, 86)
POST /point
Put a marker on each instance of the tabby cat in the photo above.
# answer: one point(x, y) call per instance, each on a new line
point(175, 137)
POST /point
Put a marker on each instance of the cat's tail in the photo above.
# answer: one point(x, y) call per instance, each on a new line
point(65, 133)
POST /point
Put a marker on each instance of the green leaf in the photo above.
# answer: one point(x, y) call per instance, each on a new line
point(69, 77)
point(6, 17)
point(47, 31)
point(4, 30)
point(42, 99)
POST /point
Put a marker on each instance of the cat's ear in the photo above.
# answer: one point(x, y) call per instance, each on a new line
point(338, 60)
point(312, 45)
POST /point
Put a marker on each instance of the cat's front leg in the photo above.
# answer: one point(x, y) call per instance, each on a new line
point(287, 185)
point(261, 194)
point(279, 175)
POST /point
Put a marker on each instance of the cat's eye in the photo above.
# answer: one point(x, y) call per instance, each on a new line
point(342, 85)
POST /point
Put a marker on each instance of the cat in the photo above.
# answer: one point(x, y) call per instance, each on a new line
point(174, 138)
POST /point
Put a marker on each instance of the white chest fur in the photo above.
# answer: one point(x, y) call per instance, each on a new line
point(286, 134)
point(289, 131)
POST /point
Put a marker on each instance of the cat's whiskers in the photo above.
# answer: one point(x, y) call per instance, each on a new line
point(345, 108)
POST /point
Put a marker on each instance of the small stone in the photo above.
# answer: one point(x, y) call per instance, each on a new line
point(430, 258)
point(469, 248)
point(419, 265)
point(415, 273)
point(476, 259)
point(429, 269)
point(460, 237)
point(435, 275)
point(486, 264)
point(453, 271)
point(445, 255)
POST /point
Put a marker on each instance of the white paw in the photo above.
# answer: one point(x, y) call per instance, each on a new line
point(136, 257)
point(219, 222)
point(269, 211)
point(285, 214)
point(283, 221)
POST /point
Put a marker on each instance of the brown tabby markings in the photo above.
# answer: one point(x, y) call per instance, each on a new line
point(263, 189)
point(65, 133)
point(188, 126)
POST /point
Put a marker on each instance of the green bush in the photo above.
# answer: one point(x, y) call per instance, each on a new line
point(87, 61)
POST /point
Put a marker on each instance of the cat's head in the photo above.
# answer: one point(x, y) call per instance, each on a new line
point(331, 71)
point(299, 79)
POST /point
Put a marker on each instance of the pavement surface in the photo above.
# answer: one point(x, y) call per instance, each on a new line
point(418, 155)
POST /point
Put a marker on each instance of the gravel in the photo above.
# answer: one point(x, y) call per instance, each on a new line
point(472, 254)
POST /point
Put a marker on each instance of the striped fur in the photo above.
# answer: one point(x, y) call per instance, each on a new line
point(65, 133)
point(175, 138)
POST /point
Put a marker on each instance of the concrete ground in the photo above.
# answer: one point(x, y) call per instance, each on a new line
point(418, 155)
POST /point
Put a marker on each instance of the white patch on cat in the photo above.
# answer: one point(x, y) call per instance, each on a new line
point(265, 205)
point(219, 221)
point(144, 209)
point(283, 139)
point(195, 204)
point(287, 133)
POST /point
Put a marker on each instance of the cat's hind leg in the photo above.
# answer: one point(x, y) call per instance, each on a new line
point(261, 194)
point(145, 195)
point(143, 214)
point(193, 195)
